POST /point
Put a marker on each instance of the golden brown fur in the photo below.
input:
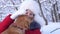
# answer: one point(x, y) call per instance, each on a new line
point(21, 24)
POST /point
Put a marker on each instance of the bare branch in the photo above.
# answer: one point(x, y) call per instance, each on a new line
point(42, 13)
point(55, 11)
point(14, 4)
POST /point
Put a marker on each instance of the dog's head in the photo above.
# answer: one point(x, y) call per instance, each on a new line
point(23, 21)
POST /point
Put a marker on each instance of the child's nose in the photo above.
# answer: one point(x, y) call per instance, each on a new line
point(29, 14)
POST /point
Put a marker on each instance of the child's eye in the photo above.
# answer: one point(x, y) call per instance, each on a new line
point(31, 14)
point(27, 13)
point(26, 9)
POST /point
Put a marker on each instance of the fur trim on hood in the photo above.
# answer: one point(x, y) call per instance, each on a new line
point(34, 7)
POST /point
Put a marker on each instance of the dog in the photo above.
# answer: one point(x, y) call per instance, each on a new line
point(19, 26)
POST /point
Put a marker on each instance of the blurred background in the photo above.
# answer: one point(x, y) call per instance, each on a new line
point(8, 7)
point(49, 9)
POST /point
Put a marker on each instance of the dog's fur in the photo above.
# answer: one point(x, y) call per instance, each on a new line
point(21, 24)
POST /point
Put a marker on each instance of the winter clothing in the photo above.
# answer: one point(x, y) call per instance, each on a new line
point(31, 5)
point(34, 7)
point(17, 13)
point(7, 21)
point(35, 31)
point(34, 25)
point(34, 28)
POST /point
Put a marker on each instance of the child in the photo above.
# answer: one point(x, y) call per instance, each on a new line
point(28, 4)
point(34, 27)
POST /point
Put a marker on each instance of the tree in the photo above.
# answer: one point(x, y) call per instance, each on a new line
point(42, 13)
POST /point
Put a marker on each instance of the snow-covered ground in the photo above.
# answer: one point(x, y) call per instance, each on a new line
point(52, 28)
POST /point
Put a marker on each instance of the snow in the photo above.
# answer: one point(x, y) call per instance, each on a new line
point(8, 7)
point(11, 6)
point(52, 28)
point(39, 20)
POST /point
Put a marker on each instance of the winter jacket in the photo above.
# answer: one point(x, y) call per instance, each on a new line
point(7, 21)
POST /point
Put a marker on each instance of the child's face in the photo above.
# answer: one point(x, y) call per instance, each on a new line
point(29, 13)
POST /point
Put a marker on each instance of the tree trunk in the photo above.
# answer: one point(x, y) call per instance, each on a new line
point(42, 13)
